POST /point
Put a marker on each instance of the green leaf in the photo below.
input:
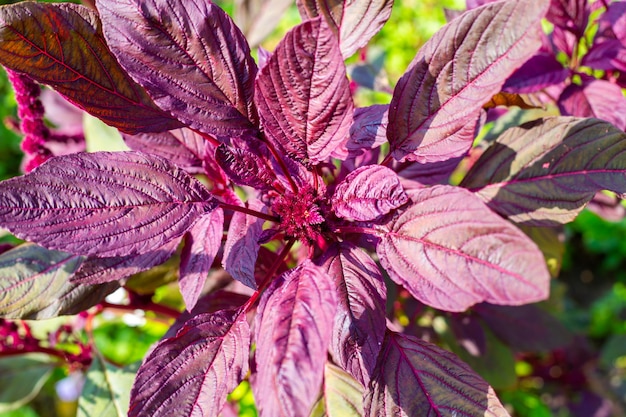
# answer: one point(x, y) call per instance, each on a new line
point(34, 284)
point(62, 45)
point(21, 378)
point(107, 389)
point(343, 393)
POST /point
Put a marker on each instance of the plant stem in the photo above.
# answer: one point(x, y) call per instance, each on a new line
point(250, 212)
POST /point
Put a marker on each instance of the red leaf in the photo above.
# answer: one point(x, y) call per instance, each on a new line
point(191, 58)
point(303, 94)
point(195, 370)
point(437, 103)
point(450, 252)
point(293, 331)
point(416, 378)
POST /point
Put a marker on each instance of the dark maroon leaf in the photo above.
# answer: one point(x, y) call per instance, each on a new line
point(437, 103)
point(595, 98)
point(572, 15)
point(359, 326)
point(182, 147)
point(450, 251)
point(301, 114)
point(191, 58)
point(415, 175)
point(202, 243)
point(469, 333)
point(105, 203)
point(245, 167)
point(525, 328)
point(242, 245)
point(539, 72)
point(192, 373)
point(416, 378)
point(354, 22)
point(544, 173)
point(368, 193)
point(62, 45)
point(96, 270)
point(369, 129)
point(292, 332)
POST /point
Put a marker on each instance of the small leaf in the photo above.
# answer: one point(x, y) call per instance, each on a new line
point(22, 377)
point(416, 378)
point(343, 395)
point(302, 115)
point(62, 45)
point(354, 22)
point(595, 98)
point(107, 389)
point(292, 332)
point(105, 204)
point(508, 100)
point(359, 326)
point(572, 15)
point(242, 245)
point(203, 241)
point(368, 193)
point(450, 252)
point(245, 167)
point(191, 58)
point(544, 173)
point(541, 71)
point(437, 103)
point(198, 368)
point(415, 175)
point(369, 129)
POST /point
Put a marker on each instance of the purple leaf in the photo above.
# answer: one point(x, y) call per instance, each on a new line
point(608, 54)
point(614, 18)
point(245, 167)
point(354, 22)
point(450, 252)
point(62, 45)
point(539, 72)
point(416, 378)
point(572, 15)
point(182, 147)
point(368, 193)
point(202, 243)
point(242, 245)
point(595, 98)
point(545, 172)
point(415, 175)
point(369, 129)
point(469, 333)
point(303, 115)
point(195, 370)
point(96, 270)
point(292, 332)
point(525, 328)
point(473, 4)
point(437, 103)
point(191, 58)
point(34, 284)
point(105, 204)
point(359, 326)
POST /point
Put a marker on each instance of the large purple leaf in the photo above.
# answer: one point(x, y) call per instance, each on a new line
point(62, 45)
point(436, 104)
point(360, 320)
point(450, 252)
point(303, 94)
point(292, 332)
point(355, 22)
point(368, 193)
point(105, 204)
point(182, 147)
point(545, 172)
point(614, 18)
point(606, 54)
point(242, 245)
point(416, 378)
point(595, 98)
point(34, 284)
point(202, 243)
point(192, 373)
point(191, 58)
point(539, 72)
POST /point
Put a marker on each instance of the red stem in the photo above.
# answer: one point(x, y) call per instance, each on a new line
point(250, 212)
point(157, 308)
point(208, 137)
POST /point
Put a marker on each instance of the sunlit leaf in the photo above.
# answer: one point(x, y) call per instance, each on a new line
point(22, 377)
point(343, 395)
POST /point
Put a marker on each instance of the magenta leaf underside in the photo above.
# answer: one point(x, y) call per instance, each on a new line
point(369, 129)
point(455, 73)
point(595, 98)
point(450, 252)
point(545, 172)
point(293, 331)
point(416, 378)
point(190, 57)
point(106, 204)
point(192, 373)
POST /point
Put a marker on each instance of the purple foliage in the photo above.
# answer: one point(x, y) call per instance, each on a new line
point(318, 215)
